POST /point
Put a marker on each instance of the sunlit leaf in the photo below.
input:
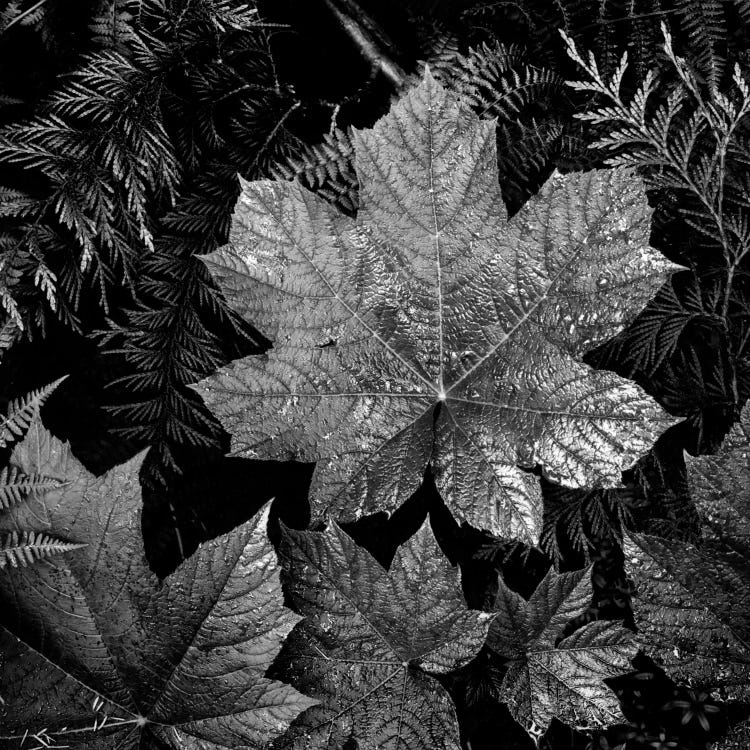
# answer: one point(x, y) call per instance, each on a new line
point(372, 639)
point(99, 654)
point(432, 330)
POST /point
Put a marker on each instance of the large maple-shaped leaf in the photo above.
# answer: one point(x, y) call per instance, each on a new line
point(692, 602)
point(370, 639)
point(432, 329)
point(98, 653)
point(549, 676)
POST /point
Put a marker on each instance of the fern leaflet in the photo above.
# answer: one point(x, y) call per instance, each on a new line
point(15, 486)
point(22, 410)
point(20, 549)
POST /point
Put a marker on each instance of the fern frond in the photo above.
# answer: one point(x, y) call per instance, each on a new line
point(111, 25)
point(704, 23)
point(15, 486)
point(743, 9)
point(440, 47)
point(21, 411)
point(21, 549)
point(497, 81)
point(581, 518)
point(653, 337)
point(9, 332)
point(171, 340)
point(680, 145)
point(326, 168)
point(526, 153)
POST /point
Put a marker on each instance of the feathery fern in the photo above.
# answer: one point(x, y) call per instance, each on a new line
point(111, 25)
point(22, 410)
point(693, 146)
point(172, 338)
point(15, 486)
point(581, 518)
point(229, 115)
point(705, 25)
point(102, 149)
point(20, 549)
point(108, 151)
point(685, 302)
point(24, 547)
point(326, 168)
point(497, 81)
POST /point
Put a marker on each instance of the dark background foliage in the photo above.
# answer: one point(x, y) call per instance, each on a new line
point(203, 89)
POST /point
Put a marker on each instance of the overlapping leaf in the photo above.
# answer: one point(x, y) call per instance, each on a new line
point(692, 603)
point(432, 330)
point(371, 640)
point(98, 654)
point(549, 676)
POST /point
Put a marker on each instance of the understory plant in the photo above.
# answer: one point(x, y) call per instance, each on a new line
point(420, 391)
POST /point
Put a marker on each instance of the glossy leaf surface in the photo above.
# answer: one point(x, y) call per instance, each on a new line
point(554, 677)
point(99, 654)
point(371, 640)
point(433, 330)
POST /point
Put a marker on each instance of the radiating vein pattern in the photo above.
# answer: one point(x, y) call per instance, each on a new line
point(432, 329)
point(97, 653)
point(553, 677)
point(371, 640)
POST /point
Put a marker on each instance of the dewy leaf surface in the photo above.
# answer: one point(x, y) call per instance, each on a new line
point(369, 640)
point(565, 679)
point(432, 329)
point(692, 602)
point(92, 637)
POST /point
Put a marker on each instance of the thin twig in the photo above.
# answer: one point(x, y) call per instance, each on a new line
point(23, 15)
point(361, 30)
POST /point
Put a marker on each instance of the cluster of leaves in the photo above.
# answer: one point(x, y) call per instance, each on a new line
point(366, 665)
point(422, 301)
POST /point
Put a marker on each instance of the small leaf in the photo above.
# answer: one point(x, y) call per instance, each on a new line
point(564, 680)
point(371, 639)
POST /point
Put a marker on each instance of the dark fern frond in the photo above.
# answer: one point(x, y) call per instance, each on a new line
point(328, 169)
point(526, 155)
point(497, 81)
point(103, 148)
point(704, 24)
point(111, 146)
point(28, 14)
point(743, 9)
point(21, 411)
point(9, 333)
point(111, 26)
point(21, 549)
point(225, 113)
point(171, 339)
point(439, 46)
point(581, 518)
point(700, 388)
point(653, 337)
